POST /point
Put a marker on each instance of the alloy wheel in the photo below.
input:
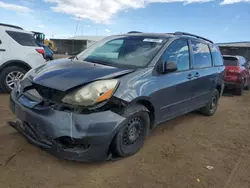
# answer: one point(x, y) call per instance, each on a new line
point(12, 78)
point(214, 103)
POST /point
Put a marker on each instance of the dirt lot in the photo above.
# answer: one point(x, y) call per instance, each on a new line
point(175, 155)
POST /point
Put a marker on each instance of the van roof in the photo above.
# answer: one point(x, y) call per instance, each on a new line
point(167, 35)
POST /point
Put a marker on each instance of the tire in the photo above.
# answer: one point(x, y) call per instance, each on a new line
point(247, 87)
point(4, 76)
point(49, 59)
point(125, 143)
point(239, 91)
point(211, 107)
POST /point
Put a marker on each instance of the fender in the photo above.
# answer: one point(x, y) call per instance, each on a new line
point(142, 98)
point(22, 64)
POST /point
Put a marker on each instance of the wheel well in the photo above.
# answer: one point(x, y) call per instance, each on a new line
point(219, 89)
point(20, 64)
point(151, 110)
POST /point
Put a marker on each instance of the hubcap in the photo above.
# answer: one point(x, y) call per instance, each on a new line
point(12, 78)
point(133, 131)
point(213, 104)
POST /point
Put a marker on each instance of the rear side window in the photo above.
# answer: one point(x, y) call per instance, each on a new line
point(217, 57)
point(202, 55)
point(24, 39)
point(243, 61)
point(230, 61)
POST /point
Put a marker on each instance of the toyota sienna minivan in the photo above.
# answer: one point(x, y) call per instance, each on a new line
point(102, 103)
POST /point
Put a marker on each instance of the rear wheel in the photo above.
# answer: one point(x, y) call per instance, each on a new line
point(130, 137)
point(248, 86)
point(240, 89)
point(9, 76)
point(211, 107)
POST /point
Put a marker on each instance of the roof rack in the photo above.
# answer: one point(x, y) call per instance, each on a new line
point(192, 35)
point(13, 26)
point(134, 32)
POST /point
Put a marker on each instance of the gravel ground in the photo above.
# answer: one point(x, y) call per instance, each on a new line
point(174, 156)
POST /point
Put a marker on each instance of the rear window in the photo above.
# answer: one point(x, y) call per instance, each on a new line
point(24, 39)
point(230, 61)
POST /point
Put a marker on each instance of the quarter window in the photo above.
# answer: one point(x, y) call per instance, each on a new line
point(202, 56)
point(24, 39)
point(243, 61)
point(217, 57)
point(178, 52)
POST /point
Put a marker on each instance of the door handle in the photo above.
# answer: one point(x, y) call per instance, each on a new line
point(197, 75)
point(2, 50)
point(189, 76)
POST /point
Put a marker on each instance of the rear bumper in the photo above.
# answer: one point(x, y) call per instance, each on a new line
point(231, 85)
point(43, 128)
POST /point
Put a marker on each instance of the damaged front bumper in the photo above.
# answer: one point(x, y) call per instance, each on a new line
point(67, 135)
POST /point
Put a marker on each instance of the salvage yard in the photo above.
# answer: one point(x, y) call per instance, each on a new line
point(175, 155)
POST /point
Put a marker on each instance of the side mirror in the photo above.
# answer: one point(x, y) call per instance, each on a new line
point(168, 67)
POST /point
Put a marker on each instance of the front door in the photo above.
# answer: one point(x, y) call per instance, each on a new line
point(174, 94)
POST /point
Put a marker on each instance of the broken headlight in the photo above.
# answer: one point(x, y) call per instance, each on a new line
point(92, 93)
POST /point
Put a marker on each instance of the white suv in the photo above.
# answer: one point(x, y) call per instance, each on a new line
point(19, 52)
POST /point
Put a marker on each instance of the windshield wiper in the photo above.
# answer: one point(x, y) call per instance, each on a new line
point(73, 57)
point(96, 61)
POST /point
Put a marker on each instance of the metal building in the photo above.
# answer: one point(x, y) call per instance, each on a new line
point(74, 45)
point(236, 48)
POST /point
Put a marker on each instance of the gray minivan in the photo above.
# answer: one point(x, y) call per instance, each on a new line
point(103, 102)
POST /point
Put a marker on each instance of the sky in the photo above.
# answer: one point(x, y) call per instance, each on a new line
point(218, 20)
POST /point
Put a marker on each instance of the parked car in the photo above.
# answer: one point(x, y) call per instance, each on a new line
point(106, 100)
point(49, 54)
point(237, 73)
point(19, 52)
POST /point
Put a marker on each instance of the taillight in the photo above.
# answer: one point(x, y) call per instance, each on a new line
point(41, 51)
point(234, 71)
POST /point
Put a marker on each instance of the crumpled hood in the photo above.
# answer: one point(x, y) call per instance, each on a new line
point(65, 74)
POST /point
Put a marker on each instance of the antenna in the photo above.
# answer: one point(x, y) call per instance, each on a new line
point(73, 45)
point(96, 31)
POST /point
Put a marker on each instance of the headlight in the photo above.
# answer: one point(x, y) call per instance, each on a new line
point(93, 93)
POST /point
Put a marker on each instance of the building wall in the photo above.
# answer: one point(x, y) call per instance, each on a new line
point(241, 51)
point(71, 47)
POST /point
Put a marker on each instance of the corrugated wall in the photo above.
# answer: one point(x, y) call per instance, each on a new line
point(71, 47)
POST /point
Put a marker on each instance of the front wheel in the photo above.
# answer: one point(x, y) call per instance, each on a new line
point(9, 76)
point(211, 107)
point(130, 137)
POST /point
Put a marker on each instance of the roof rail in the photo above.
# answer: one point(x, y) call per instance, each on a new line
point(134, 32)
point(192, 35)
point(13, 26)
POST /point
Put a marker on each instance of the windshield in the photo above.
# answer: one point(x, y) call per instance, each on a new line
point(128, 51)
